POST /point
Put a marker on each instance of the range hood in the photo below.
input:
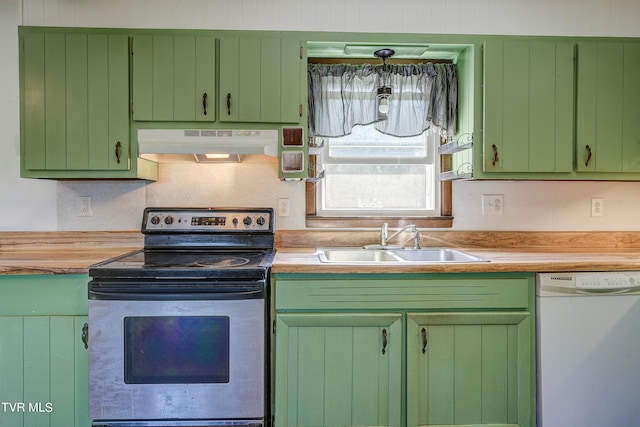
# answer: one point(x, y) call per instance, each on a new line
point(208, 141)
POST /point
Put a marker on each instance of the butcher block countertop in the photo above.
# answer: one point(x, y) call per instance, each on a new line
point(74, 252)
point(62, 252)
point(504, 252)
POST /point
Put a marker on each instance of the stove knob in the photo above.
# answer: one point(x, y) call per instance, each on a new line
point(247, 220)
point(168, 220)
point(260, 220)
point(155, 220)
point(235, 222)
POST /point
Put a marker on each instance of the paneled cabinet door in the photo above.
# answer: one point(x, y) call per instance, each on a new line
point(608, 129)
point(173, 78)
point(469, 369)
point(338, 369)
point(75, 102)
point(44, 367)
point(260, 80)
point(528, 106)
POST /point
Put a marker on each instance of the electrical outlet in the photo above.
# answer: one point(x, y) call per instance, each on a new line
point(84, 206)
point(283, 207)
point(597, 206)
point(492, 204)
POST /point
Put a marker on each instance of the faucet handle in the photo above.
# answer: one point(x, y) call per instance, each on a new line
point(416, 238)
point(384, 232)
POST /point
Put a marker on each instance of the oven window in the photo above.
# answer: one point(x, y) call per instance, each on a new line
point(176, 349)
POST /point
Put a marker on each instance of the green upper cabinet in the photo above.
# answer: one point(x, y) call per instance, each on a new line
point(173, 77)
point(260, 80)
point(528, 105)
point(75, 104)
point(608, 108)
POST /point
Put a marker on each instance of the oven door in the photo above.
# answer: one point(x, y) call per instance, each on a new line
point(168, 359)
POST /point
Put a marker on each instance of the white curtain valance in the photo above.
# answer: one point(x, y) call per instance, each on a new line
point(342, 96)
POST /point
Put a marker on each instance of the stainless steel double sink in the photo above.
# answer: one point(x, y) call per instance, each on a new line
point(381, 255)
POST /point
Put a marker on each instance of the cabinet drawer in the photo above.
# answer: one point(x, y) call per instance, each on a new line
point(401, 293)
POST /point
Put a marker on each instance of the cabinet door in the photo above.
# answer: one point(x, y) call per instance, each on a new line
point(260, 80)
point(44, 368)
point(338, 370)
point(470, 369)
point(75, 102)
point(528, 103)
point(608, 108)
point(173, 78)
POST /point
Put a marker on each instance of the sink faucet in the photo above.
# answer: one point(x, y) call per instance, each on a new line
point(384, 235)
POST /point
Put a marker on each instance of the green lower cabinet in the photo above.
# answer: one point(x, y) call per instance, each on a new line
point(468, 369)
point(341, 369)
point(44, 366)
point(404, 350)
point(44, 371)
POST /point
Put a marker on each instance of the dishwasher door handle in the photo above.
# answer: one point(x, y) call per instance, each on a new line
point(608, 291)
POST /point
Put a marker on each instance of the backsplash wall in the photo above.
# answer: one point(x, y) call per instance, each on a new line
point(49, 205)
point(528, 205)
point(118, 206)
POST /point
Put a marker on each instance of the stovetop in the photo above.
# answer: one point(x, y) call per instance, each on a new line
point(198, 243)
point(193, 264)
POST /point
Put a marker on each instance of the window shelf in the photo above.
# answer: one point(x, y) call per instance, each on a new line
point(464, 142)
point(464, 171)
point(454, 175)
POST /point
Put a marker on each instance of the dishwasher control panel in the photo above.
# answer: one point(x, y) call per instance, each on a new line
point(558, 284)
point(608, 280)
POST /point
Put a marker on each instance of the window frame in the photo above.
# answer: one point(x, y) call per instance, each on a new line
point(444, 220)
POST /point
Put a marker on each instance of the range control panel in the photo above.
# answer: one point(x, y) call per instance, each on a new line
point(206, 220)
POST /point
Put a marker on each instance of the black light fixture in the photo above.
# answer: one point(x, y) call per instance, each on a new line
point(383, 93)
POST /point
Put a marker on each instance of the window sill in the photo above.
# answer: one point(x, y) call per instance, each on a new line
point(313, 221)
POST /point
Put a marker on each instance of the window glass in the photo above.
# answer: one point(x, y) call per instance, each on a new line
point(370, 173)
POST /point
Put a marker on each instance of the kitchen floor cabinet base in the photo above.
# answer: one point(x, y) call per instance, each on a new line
point(468, 369)
point(43, 362)
point(339, 369)
point(433, 349)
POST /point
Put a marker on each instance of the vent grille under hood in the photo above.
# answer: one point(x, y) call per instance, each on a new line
point(208, 141)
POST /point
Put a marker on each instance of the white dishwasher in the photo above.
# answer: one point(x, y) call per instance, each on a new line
point(588, 349)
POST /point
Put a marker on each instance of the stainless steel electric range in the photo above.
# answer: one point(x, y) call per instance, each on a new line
point(178, 331)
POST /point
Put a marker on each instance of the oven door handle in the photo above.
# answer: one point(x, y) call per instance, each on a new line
point(175, 296)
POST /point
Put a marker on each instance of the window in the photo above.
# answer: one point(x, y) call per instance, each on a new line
point(369, 173)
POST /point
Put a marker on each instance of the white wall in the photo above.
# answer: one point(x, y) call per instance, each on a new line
point(47, 205)
point(24, 204)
